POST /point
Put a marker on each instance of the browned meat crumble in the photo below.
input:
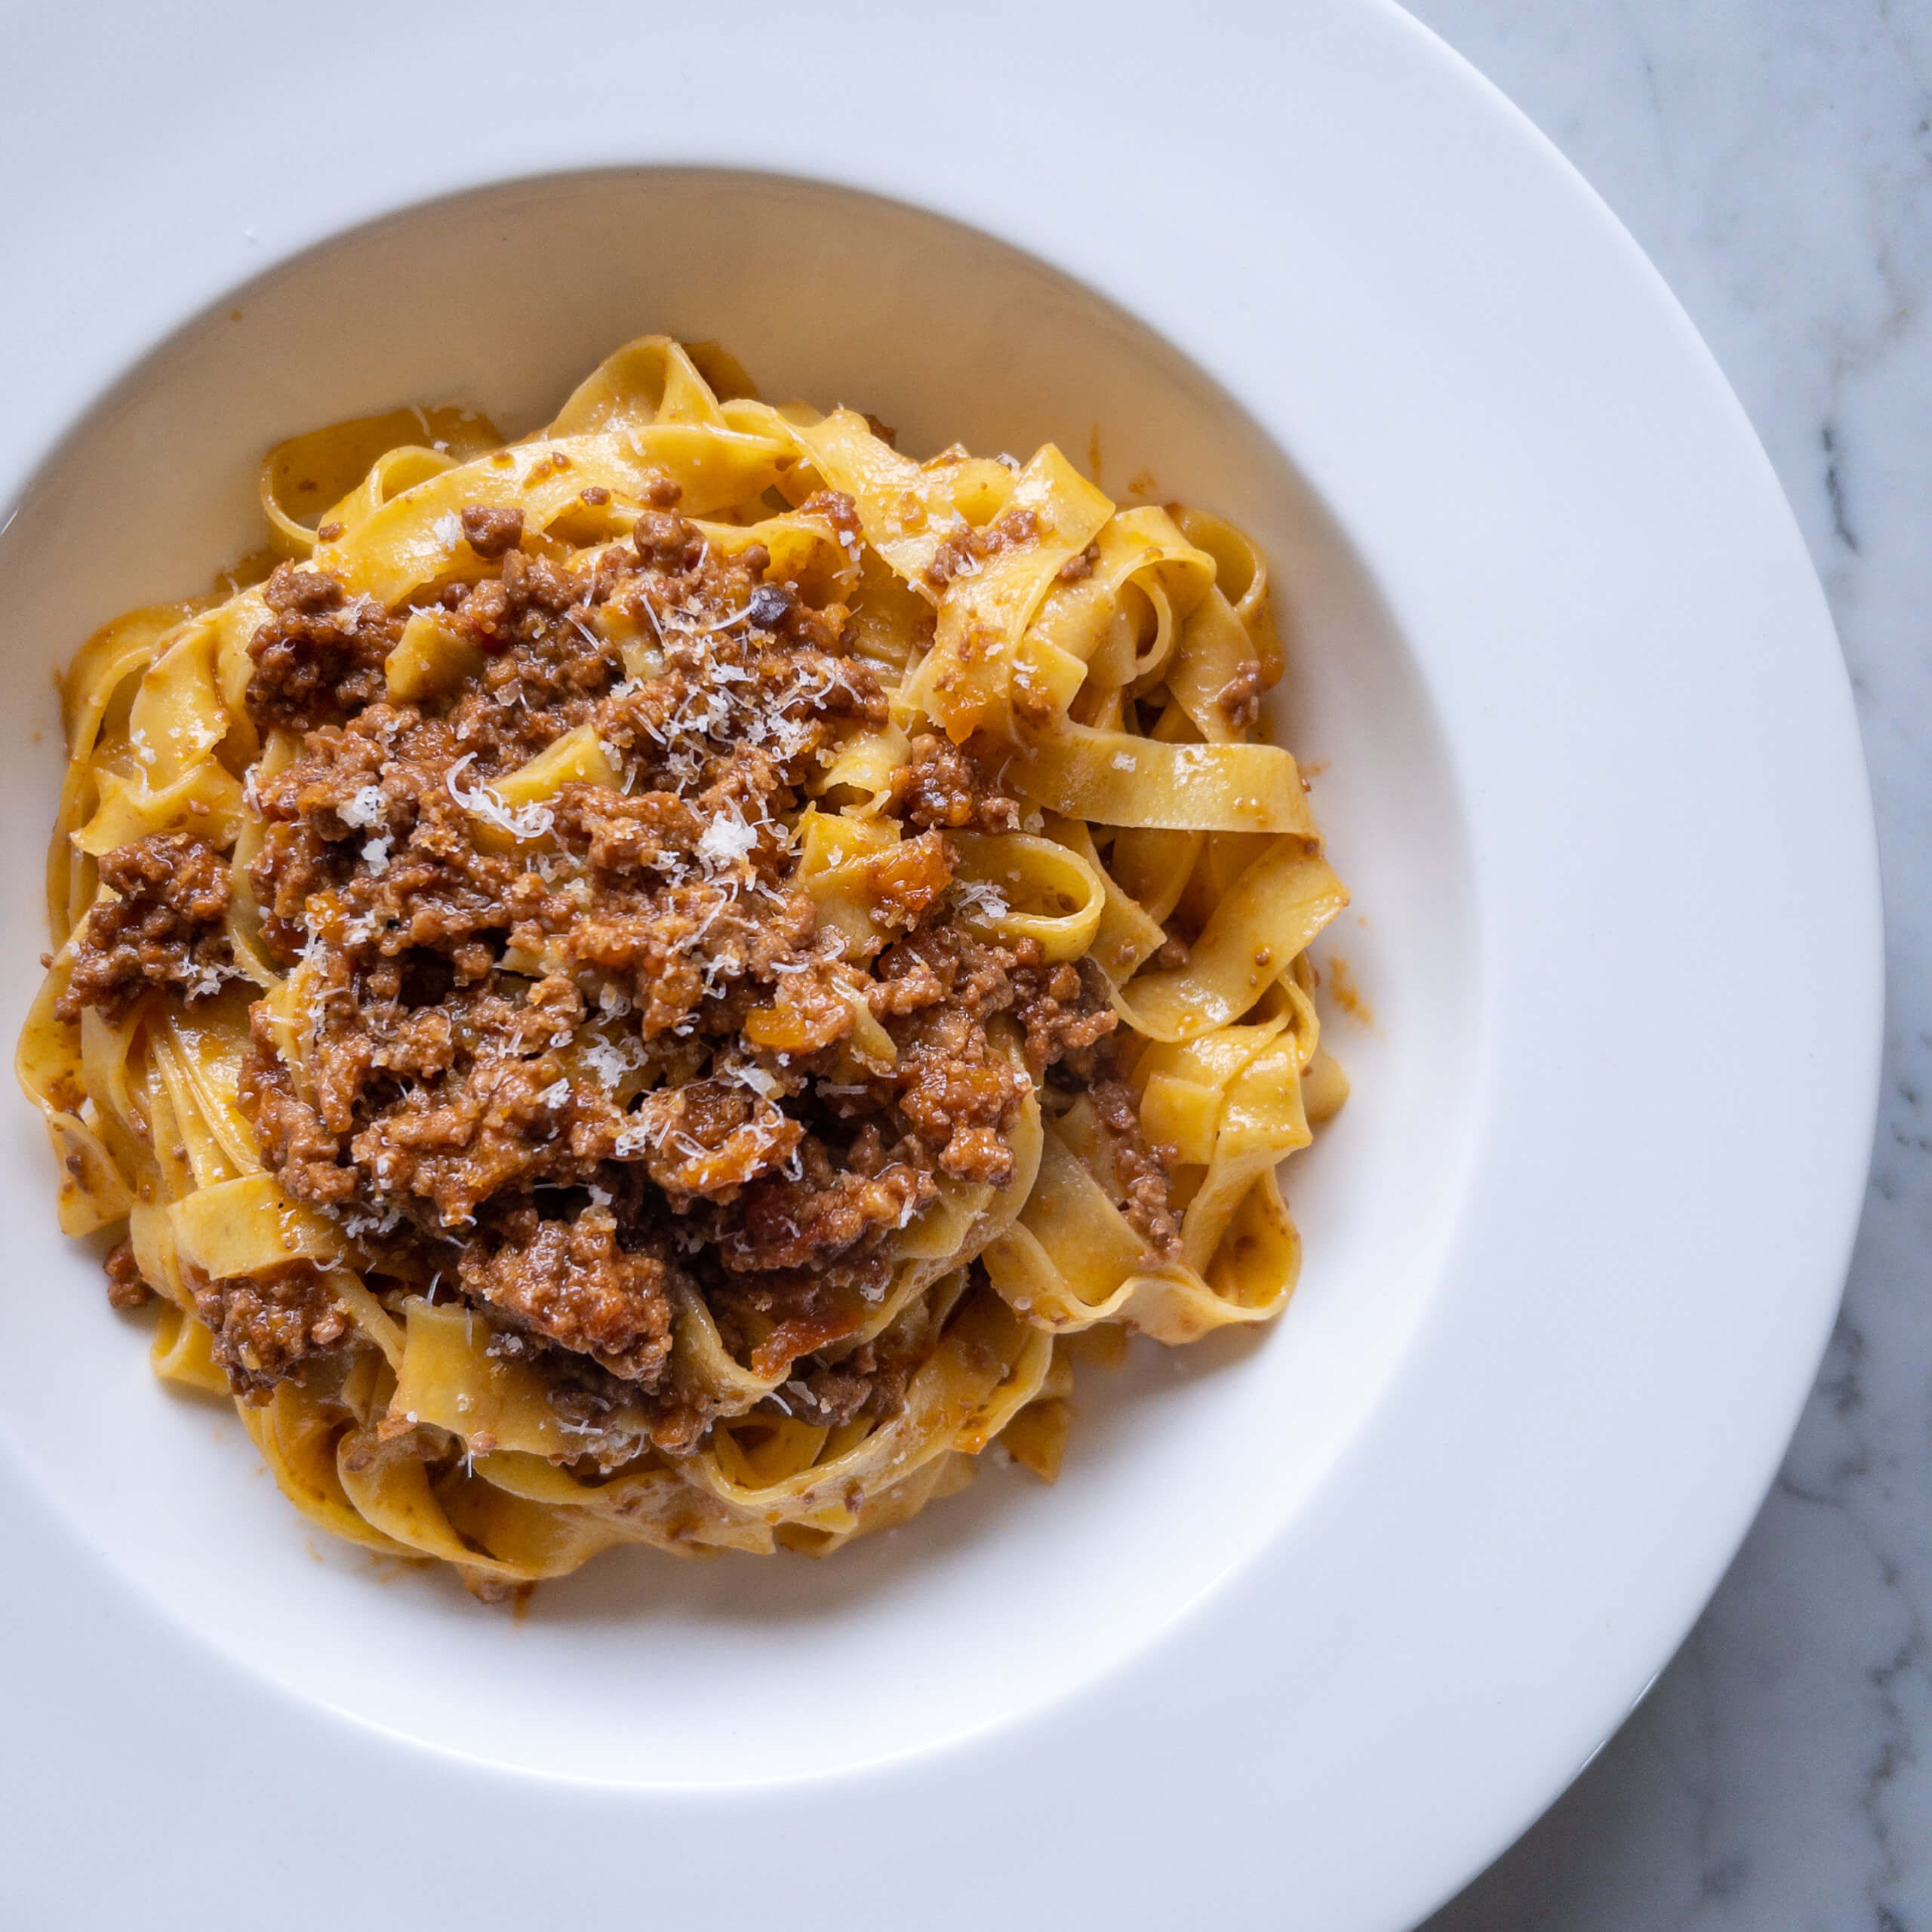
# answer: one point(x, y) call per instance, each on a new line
point(576, 1061)
point(1239, 698)
point(491, 531)
point(319, 656)
point(163, 929)
point(941, 784)
point(1141, 1170)
point(266, 1326)
point(125, 1288)
point(967, 546)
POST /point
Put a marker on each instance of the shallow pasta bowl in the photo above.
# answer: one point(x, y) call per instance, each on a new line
point(1381, 1576)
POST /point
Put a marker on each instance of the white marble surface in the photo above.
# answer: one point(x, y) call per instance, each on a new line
point(1774, 159)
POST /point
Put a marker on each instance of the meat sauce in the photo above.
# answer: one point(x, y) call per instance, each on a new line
point(542, 1077)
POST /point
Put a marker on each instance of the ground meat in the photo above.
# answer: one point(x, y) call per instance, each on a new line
point(491, 531)
point(956, 1105)
point(573, 1282)
point(870, 1381)
point(1239, 700)
point(165, 929)
point(827, 1395)
point(942, 784)
point(1141, 1170)
point(580, 1061)
point(666, 542)
point(709, 1139)
point(319, 657)
point(806, 1224)
point(938, 991)
point(964, 547)
point(1171, 954)
point(935, 993)
point(125, 1288)
point(1078, 567)
point(267, 1328)
point(1065, 1012)
point(841, 512)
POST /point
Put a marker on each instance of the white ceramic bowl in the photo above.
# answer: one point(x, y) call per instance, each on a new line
point(642, 1668)
point(1314, 1619)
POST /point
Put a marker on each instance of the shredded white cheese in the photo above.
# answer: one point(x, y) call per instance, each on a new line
point(610, 1062)
point(368, 808)
point(529, 821)
point(726, 840)
point(982, 896)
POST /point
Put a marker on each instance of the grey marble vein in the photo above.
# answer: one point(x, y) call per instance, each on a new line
point(1774, 157)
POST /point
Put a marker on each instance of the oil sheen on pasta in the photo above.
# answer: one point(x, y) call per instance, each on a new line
point(659, 981)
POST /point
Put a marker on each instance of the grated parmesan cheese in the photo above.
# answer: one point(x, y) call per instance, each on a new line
point(727, 839)
point(610, 1062)
point(982, 896)
point(529, 821)
point(367, 808)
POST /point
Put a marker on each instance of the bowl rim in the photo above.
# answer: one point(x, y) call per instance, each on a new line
point(1365, 66)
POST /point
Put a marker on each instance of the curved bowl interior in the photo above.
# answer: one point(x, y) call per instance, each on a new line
point(1182, 1464)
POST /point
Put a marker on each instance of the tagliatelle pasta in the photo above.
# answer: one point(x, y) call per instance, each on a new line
point(644, 984)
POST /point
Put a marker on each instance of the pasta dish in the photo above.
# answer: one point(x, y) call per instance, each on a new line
point(661, 982)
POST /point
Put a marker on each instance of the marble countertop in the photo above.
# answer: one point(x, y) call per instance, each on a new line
point(1774, 159)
